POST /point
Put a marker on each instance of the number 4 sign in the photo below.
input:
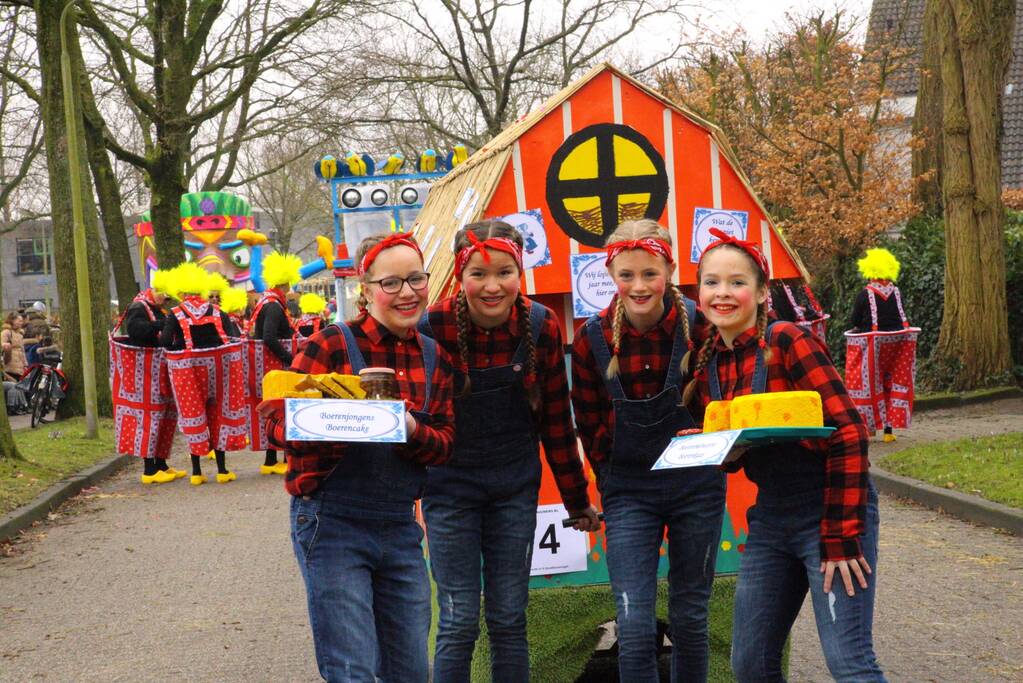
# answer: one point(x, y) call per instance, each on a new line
point(556, 550)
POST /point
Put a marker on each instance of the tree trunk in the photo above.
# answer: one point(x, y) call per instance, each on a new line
point(8, 449)
point(167, 184)
point(52, 93)
point(109, 195)
point(975, 50)
point(927, 158)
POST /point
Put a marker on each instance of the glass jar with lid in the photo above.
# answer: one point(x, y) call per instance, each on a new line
point(380, 384)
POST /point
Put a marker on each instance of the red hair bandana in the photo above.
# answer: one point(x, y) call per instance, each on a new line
point(397, 239)
point(749, 247)
point(651, 245)
point(477, 245)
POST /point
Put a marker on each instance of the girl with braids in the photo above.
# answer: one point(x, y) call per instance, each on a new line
point(480, 509)
point(816, 509)
point(629, 364)
point(353, 524)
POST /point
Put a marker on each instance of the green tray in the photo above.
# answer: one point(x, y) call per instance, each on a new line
point(763, 436)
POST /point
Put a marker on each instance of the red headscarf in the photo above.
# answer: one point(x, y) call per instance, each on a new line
point(397, 239)
point(751, 248)
point(477, 245)
point(652, 245)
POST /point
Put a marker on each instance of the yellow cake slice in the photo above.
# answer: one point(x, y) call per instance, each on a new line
point(278, 382)
point(717, 417)
point(777, 409)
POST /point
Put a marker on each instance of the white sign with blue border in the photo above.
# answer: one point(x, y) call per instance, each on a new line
point(592, 286)
point(332, 419)
point(529, 223)
point(733, 223)
point(697, 450)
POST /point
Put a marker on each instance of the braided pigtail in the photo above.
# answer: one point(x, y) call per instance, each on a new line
point(525, 329)
point(683, 314)
point(462, 322)
point(702, 359)
point(617, 320)
point(762, 330)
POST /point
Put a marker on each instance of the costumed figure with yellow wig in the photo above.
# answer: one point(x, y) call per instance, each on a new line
point(880, 357)
point(144, 413)
point(312, 306)
point(270, 345)
point(234, 301)
point(219, 286)
point(206, 372)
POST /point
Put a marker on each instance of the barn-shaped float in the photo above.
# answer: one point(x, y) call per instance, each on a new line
point(605, 149)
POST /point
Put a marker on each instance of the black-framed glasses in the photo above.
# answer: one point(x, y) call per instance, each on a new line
point(393, 285)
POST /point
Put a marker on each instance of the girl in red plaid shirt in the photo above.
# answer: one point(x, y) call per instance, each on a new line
point(629, 364)
point(816, 509)
point(353, 527)
point(480, 509)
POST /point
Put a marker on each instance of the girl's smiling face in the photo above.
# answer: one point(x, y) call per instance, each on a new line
point(491, 289)
point(730, 291)
point(399, 312)
point(642, 280)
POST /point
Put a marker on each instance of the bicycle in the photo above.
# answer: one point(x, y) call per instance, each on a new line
point(48, 385)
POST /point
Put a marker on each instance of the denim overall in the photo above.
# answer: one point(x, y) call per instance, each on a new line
point(638, 505)
point(481, 506)
point(359, 549)
point(782, 561)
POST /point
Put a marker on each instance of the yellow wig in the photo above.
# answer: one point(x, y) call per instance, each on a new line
point(189, 278)
point(281, 269)
point(312, 303)
point(233, 300)
point(219, 283)
point(160, 282)
point(879, 264)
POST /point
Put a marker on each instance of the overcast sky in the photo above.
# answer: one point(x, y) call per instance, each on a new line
point(763, 17)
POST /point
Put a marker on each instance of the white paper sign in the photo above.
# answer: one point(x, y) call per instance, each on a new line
point(592, 286)
point(556, 550)
point(529, 223)
point(331, 419)
point(733, 223)
point(697, 450)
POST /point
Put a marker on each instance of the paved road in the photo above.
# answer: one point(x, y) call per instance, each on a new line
point(132, 583)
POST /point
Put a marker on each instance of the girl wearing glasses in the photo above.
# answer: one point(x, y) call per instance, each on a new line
point(480, 510)
point(352, 513)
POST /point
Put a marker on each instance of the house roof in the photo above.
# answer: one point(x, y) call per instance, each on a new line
point(465, 192)
point(899, 23)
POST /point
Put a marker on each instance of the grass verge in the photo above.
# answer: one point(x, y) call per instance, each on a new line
point(50, 453)
point(988, 466)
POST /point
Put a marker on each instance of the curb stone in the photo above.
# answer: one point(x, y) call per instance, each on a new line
point(23, 517)
point(925, 403)
point(964, 506)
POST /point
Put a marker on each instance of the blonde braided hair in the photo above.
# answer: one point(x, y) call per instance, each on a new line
point(625, 232)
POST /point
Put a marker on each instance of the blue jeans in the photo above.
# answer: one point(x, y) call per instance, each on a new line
point(781, 562)
point(692, 509)
point(367, 590)
point(482, 515)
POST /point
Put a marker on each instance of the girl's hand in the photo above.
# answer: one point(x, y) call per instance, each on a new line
point(688, 432)
point(588, 519)
point(410, 424)
point(847, 568)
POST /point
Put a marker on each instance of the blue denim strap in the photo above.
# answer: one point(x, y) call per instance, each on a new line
point(429, 365)
point(355, 358)
point(424, 325)
point(759, 371)
point(602, 355)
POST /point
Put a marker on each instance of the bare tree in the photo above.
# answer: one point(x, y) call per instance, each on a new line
point(291, 197)
point(456, 71)
point(189, 68)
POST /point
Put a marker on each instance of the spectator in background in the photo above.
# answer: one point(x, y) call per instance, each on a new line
point(12, 339)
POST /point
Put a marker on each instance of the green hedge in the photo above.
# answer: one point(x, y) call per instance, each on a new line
point(921, 250)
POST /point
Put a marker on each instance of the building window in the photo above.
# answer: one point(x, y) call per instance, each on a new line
point(30, 257)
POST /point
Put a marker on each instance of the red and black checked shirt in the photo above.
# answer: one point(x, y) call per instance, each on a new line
point(496, 347)
point(642, 366)
point(799, 362)
point(310, 463)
